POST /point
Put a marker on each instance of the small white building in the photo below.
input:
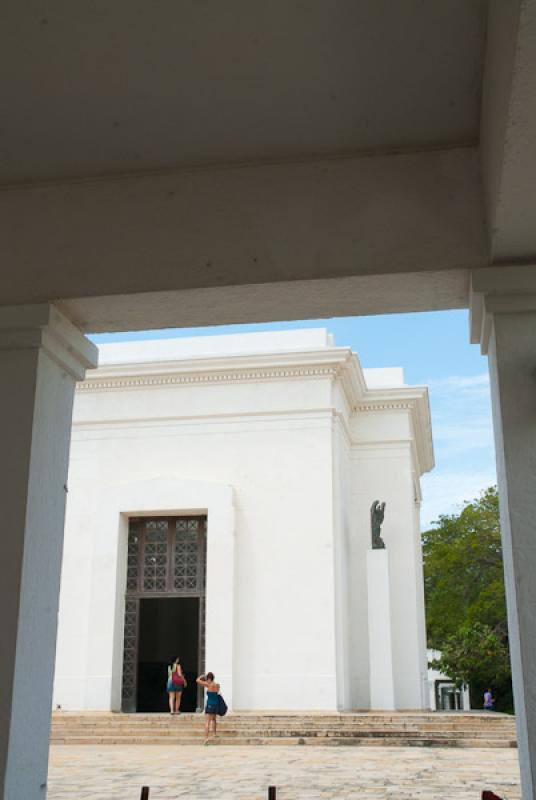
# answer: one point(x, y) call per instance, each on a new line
point(444, 694)
point(219, 509)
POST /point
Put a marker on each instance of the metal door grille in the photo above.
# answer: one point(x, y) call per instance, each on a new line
point(130, 650)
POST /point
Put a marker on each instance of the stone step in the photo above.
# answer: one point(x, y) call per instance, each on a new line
point(402, 729)
point(133, 720)
point(180, 725)
point(306, 728)
point(166, 721)
point(394, 741)
point(353, 741)
point(286, 723)
point(297, 730)
point(490, 719)
point(285, 732)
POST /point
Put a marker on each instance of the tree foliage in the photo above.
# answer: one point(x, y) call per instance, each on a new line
point(476, 655)
point(465, 599)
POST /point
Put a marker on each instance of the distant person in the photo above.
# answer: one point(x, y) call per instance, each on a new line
point(211, 708)
point(488, 700)
point(176, 683)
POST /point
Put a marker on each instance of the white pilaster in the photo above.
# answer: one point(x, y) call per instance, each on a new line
point(382, 687)
point(41, 357)
point(503, 319)
point(221, 592)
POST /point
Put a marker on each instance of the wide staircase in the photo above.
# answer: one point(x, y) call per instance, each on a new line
point(398, 729)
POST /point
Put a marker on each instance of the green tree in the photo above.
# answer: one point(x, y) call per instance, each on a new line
point(465, 600)
point(476, 655)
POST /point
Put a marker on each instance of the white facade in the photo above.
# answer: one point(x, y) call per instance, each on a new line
point(283, 442)
point(444, 695)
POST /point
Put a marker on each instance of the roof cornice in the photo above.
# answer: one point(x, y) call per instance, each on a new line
point(337, 363)
point(415, 401)
point(217, 369)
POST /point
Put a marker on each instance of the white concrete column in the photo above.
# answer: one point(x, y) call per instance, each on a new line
point(503, 319)
point(41, 357)
point(382, 685)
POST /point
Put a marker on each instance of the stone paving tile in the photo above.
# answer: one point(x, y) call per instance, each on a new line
point(244, 773)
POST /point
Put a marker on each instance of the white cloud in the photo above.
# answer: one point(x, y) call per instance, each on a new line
point(458, 438)
point(461, 417)
point(466, 384)
point(463, 443)
point(445, 492)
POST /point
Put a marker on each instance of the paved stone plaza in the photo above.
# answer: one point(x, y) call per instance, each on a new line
point(301, 773)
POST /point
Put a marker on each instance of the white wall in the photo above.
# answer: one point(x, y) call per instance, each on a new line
point(90, 645)
point(279, 464)
point(383, 467)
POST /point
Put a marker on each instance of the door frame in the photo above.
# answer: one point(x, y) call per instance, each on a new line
point(153, 497)
point(136, 576)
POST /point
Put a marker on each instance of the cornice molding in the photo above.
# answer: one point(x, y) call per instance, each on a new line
point(98, 384)
point(383, 406)
point(335, 363)
point(414, 401)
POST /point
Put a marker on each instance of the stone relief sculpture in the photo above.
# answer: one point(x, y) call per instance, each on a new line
point(377, 513)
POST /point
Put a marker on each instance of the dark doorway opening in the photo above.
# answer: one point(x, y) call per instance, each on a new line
point(168, 627)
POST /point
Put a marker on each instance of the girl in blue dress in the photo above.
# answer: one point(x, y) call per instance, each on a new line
point(211, 708)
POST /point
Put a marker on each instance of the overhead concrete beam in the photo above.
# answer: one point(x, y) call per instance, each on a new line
point(376, 215)
point(271, 302)
point(508, 130)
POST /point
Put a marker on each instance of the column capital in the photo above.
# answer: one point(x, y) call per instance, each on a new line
point(499, 290)
point(44, 326)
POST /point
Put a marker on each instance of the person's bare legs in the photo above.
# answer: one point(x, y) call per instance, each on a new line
point(209, 718)
point(171, 701)
point(178, 698)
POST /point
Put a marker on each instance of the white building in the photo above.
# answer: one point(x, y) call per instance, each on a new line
point(444, 694)
point(219, 508)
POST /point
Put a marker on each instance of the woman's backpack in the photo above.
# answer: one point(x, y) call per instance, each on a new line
point(222, 706)
point(177, 679)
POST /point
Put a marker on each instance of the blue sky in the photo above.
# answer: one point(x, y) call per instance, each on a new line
point(433, 349)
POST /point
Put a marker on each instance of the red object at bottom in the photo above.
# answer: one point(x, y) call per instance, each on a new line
point(490, 796)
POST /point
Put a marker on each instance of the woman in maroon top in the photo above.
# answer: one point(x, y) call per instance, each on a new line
point(175, 685)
